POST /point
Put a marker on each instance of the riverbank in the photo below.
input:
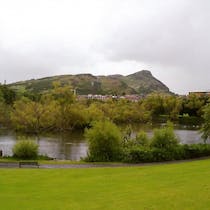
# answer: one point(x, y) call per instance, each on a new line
point(73, 146)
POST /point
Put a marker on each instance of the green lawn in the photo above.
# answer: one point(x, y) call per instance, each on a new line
point(170, 186)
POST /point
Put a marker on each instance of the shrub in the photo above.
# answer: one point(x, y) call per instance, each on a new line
point(137, 155)
point(175, 153)
point(164, 138)
point(104, 140)
point(25, 149)
point(142, 139)
point(196, 150)
point(146, 154)
point(127, 134)
point(179, 152)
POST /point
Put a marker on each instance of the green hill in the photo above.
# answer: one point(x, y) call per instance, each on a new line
point(141, 82)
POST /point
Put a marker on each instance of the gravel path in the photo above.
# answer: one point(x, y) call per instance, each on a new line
point(114, 165)
point(85, 165)
point(94, 165)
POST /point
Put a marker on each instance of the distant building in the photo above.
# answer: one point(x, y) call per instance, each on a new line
point(134, 98)
point(200, 93)
point(98, 97)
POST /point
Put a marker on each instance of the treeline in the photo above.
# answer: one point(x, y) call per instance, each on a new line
point(60, 110)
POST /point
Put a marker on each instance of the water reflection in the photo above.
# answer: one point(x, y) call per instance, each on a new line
point(73, 146)
point(189, 136)
point(65, 147)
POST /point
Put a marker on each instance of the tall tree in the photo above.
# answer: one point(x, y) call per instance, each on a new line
point(31, 116)
point(8, 94)
point(64, 97)
point(206, 125)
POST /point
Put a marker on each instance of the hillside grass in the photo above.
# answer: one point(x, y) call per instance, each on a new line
point(170, 186)
point(142, 82)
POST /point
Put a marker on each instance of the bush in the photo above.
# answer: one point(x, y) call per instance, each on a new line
point(104, 140)
point(146, 154)
point(164, 138)
point(142, 139)
point(175, 153)
point(106, 144)
point(25, 149)
point(179, 152)
point(196, 150)
point(137, 155)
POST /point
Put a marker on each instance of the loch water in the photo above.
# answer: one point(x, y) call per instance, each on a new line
point(73, 146)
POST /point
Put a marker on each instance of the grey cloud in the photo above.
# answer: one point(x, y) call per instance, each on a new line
point(107, 37)
point(38, 63)
point(175, 33)
point(171, 36)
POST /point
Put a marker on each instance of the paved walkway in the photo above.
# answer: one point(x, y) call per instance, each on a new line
point(87, 165)
point(114, 165)
point(94, 165)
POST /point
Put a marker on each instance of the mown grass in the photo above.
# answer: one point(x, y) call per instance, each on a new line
point(168, 186)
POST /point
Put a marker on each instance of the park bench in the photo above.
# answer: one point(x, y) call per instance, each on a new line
point(28, 164)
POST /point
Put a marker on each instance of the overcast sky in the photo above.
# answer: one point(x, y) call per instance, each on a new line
point(171, 38)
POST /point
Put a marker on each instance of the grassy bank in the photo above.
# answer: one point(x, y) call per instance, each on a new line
point(173, 186)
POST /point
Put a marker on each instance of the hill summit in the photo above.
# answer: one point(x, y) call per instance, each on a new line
point(142, 82)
